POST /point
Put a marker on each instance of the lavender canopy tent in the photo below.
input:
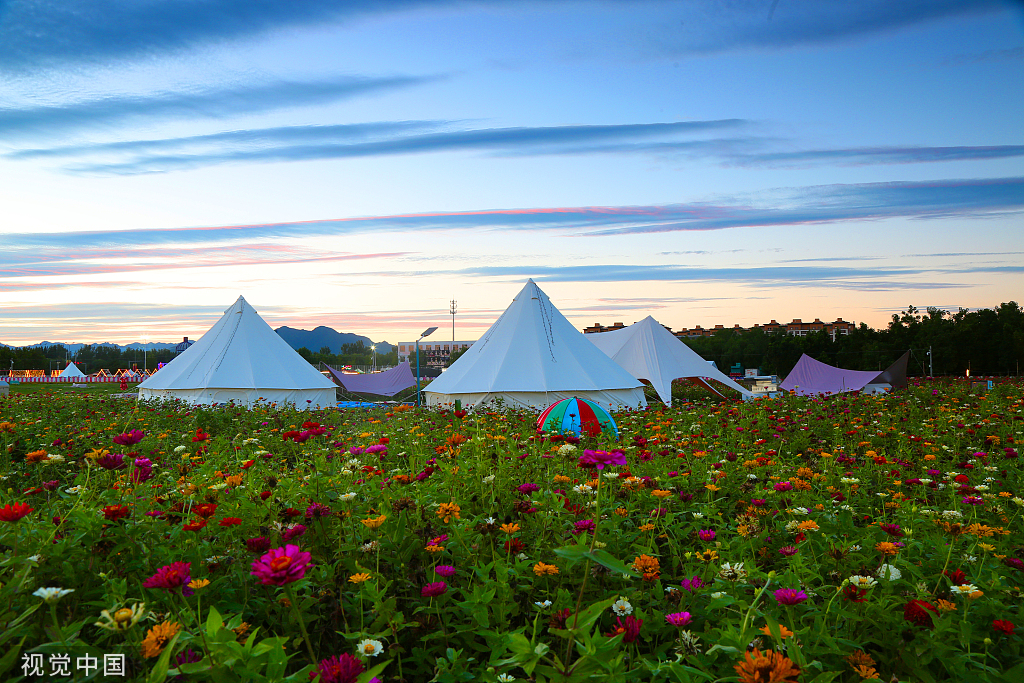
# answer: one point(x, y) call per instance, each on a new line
point(387, 383)
point(810, 377)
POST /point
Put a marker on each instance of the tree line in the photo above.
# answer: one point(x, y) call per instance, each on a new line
point(356, 353)
point(989, 341)
point(89, 358)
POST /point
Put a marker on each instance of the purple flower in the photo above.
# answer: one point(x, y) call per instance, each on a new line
point(112, 461)
point(789, 596)
point(317, 510)
point(527, 488)
point(444, 570)
point(678, 619)
point(692, 584)
point(129, 438)
point(356, 450)
point(583, 526)
point(706, 534)
point(630, 628)
point(281, 566)
point(51, 485)
point(788, 550)
point(293, 532)
point(972, 500)
point(376, 448)
point(343, 668)
point(601, 459)
point(757, 502)
point(784, 486)
point(432, 590)
point(171, 577)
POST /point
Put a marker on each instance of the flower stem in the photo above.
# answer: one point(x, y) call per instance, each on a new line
point(302, 625)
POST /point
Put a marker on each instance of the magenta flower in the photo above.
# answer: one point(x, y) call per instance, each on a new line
point(788, 550)
point(445, 570)
point(583, 526)
point(317, 510)
point(432, 590)
point(171, 577)
point(601, 459)
point(784, 486)
point(293, 531)
point(692, 584)
point(341, 669)
point(630, 628)
point(678, 619)
point(527, 488)
point(706, 534)
point(281, 566)
point(112, 461)
point(129, 438)
point(789, 596)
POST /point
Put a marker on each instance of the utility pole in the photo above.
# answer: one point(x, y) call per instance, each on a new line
point(931, 368)
point(453, 309)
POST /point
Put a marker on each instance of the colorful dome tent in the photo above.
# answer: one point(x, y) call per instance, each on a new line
point(648, 351)
point(809, 377)
point(71, 371)
point(532, 357)
point(241, 359)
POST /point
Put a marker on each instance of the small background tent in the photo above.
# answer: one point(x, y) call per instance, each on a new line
point(648, 351)
point(71, 371)
point(241, 359)
point(810, 377)
point(386, 383)
point(532, 357)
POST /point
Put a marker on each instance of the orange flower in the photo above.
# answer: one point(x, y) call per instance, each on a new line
point(886, 548)
point(37, 456)
point(158, 637)
point(809, 525)
point(510, 528)
point(541, 569)
point(374, 522)
point(448, 510)
point(766, 667)
point(660, 493)
point(783, 631)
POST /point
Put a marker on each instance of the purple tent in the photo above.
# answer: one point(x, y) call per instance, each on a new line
point(387, 383)
point(810, 376)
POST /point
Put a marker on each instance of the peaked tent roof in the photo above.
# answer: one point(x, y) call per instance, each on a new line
point(811, 376)
point(72, 371)
point(646, 350)
point(531, 357)
point(241, 359)
point(386, 383)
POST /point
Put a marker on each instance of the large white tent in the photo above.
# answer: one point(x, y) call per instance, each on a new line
point(241, 359)
point(72, 371)
point(646, 350)
point(531, 357)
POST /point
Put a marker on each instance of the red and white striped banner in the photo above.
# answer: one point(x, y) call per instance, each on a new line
point(73, 380)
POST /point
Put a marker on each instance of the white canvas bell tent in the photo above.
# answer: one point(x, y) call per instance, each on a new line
point(648, 351)
point(241, 359)
point(532, 357)
point(71, 371)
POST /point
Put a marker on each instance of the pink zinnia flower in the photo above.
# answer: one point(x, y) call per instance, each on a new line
point(583, 526)
point(706, 534)
point(678, 619)
point(445, 570)
point(281, 566)
point(788, 550)
point(293, 532)
point(789, 596)
point(692, 584)
point(630, 628)
point(129, 438)
point(432, 590)
point(601, 459)
point(317, 510)
point(341, 669)
point(171, 577)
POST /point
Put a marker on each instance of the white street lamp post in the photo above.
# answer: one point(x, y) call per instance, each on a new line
point(429, 331)
point(373, 347)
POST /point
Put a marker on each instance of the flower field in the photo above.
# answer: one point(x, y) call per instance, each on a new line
point(841, 539)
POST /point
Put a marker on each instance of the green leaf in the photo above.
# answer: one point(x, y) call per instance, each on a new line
point(12, 655)
point(214, 623)
point(159, 672)
point(606, 559)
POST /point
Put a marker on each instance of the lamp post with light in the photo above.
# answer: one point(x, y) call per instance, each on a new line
point(429, 331)
point(373, 347)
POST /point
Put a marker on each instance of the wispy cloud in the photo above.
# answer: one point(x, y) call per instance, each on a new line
point(862, 156)
point(26, 121)
point(53, 33)
point(305, 143)
point(777, 208)
point(1008, 54)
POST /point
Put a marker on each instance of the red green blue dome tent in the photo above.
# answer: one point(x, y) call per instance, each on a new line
point(577, 415)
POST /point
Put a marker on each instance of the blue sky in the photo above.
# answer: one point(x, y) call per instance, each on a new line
point(358, 164)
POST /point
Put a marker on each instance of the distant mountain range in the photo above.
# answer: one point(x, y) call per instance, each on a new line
point(314, 340)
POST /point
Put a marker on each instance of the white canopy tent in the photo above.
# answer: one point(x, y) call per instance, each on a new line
point(532, 357)
point(72, 371)
point(241, 359)
point(646, 350)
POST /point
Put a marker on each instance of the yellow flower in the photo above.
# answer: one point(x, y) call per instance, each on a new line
point(986, 547)
point(707, 555)
point(158, 637)
point(448, 510)
point(122, 619)
point(712, 487)
point(541, 569)
point(621, 512)
point(562, 479)
point(199, 583)
point(374, 522)
point(647, 527)
point(510, 528)
point(359, 578)
point(97, 453)
point(434, 548)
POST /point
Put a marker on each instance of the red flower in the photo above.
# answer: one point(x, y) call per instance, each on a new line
point(113, 513)
point(291, 512)
point(206, 510)
point(200, 436)
point(259, 544)
point(630, 628)
point(171, 576)
point(195, 525)
point(956, 577)
point(230, 521)
point(1004, 626)
point(247, 464)
point(341, 669)
point(384, 440)
point(12, 513)
point(265, 495)
point(854, 594)
point(917, 612)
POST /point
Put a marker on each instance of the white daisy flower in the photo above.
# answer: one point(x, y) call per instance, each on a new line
point(506, 678)
point(889, 572)
point(621, 607)
point(370, 648)
point(863, 581)
point(543, 605)
point(345, 497)
point(51, 595)
point(964, 589)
